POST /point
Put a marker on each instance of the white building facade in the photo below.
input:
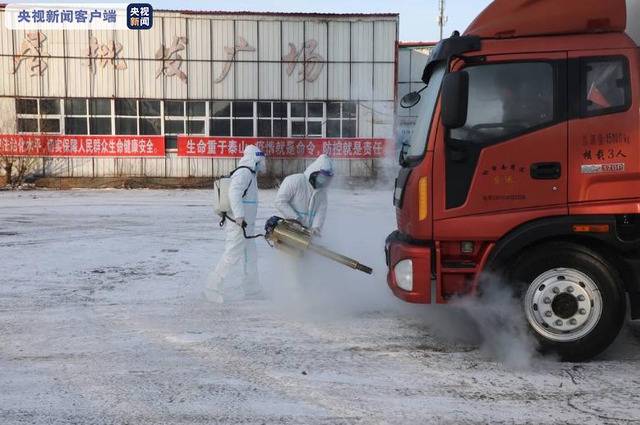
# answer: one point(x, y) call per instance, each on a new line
point(183, 98)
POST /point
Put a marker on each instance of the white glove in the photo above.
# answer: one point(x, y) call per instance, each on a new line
point(240, 222)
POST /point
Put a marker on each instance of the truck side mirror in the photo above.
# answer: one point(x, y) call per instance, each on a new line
point(455, 97)
point(410, 100)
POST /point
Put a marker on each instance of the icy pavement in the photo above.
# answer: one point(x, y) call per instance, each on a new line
point(102, 321)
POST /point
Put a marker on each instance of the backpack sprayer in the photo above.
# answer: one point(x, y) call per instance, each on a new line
point(287, 235)
point(292, 237)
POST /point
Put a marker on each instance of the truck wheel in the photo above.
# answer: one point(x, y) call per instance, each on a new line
point(572, 297)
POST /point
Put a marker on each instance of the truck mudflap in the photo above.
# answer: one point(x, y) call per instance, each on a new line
point(409, 269)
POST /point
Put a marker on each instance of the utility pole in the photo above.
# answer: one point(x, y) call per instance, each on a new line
point(442, 20)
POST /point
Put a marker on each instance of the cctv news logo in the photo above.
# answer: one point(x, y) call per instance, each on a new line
point(66, 16)
point(139, 16)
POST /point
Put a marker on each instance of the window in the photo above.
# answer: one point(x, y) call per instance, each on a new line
point(349, 110)
point(182, 117)
point(27, 125)
point(298, 109)
point(242, 109)
point(27, 106)
point(150, 120)
point(49, 115)
point(75, 120)
point(126, 116)
point(314, 128)
point(49, 106)
point(220, 128)
point(99, 125)
point(418, 141)
point(315, 114)
point(196, 109)
point(174, 108)
point(195, 127)
point(126, 125)
point(314, 110)
point(174, 117)
point(150, 126)
point(100, 116)
point(149, 108)
point(242, 119)
point(243, 127)
point(220, 109)
point(298, 128)
point(50, 125)
point(341, 119)
point(38, 115)
point(272, 119)
point(279, 119)
point(173, 126)
point(220, 122)
point(75, 125)
point(231, 118)
point(349, 128)
point(306, 119)
point(264, 119)
point(99, 107)
point(126, 107)
point(75, 107)
point(606, 87)
point(506, 100)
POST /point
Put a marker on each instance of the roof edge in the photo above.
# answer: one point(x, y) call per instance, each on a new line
point(262, 13)
point(417, 43)
point(528, 18)
point(258, 13)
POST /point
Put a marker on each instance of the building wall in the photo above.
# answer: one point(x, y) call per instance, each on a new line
point(321, 62)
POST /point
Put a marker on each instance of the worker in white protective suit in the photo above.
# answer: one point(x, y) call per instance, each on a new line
point(240, 252)
point(303, 196)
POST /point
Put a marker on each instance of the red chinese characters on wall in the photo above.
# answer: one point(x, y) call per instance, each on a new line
point(81, 146)
point(241, 45)
point(284, 148)
point(101, 55)
point(311, 62)
point(33, 52)
point(171, 60)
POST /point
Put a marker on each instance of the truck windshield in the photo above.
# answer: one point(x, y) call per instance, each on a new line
point(418, 141)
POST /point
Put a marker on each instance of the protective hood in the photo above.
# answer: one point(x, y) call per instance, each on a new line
point(322, 163)
point(252, 156)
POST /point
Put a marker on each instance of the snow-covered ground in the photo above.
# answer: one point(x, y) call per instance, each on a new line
point(102, 321)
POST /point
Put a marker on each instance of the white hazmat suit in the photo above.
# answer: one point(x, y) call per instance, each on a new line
point(239, 251)
point(298, 199)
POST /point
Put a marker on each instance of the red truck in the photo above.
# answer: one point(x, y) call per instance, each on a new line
point(524, 167)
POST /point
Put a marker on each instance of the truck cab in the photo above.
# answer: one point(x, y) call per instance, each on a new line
point(524, 168)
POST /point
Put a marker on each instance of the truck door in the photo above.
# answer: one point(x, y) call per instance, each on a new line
point(604, 159)
point(511, 154)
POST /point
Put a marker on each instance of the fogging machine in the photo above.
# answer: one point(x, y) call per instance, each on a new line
point(291, 236)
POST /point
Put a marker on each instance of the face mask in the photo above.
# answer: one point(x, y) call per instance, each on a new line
point(260, 166)
point(320, 180)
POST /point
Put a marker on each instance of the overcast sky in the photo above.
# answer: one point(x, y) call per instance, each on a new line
point(418, 18)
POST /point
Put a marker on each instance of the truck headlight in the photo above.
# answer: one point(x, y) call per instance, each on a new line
point(404, 274)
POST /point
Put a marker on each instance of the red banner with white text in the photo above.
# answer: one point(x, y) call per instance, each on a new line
point(81, 146)
point(281, 148)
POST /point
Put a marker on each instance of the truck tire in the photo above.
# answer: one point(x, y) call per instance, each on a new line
point(573, 299)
